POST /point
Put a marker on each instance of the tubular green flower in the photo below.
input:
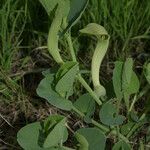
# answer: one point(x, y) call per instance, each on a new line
point(99, 53)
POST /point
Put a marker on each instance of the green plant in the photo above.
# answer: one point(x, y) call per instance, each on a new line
point(57, 87)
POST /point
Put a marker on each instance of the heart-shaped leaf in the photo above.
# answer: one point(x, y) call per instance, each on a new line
point(86, 105)
point(27, 140)
point(94, 137)
point(45, 91)
point(108, 115)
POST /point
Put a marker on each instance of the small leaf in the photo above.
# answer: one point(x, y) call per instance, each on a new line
point(117, 79)
point(121, 145)
point(86, 105)
point(83, 144)
point(108, 115)
point(63, 87)
point(94, 137)
point(45, 91)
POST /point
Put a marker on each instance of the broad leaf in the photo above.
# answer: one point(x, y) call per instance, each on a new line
point(64, 85)
point(77, 8)
point(86, 105)
point(117, 79)
point(83, 144)
point(94, 137)
point(121, 145)
point(28, 136)
point(45, 91)
point(108, 115)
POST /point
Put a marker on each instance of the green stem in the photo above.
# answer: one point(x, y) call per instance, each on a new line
point(133, 102)
point(69, 40)
point(88, 88)
point(136, 126)
point(100, 126)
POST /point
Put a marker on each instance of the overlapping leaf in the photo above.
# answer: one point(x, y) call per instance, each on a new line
point(46, 91)
point(35, 136)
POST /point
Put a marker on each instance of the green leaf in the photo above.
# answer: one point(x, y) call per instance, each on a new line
point(63, 87)
point(117, 79)
point(45, 91)
point(28, 136)
point(86, 105)
point(94, 137)
point(130, 81)
point(108, 115)
point(56, 136)
point(83, 144)
point(121, 145)
point(147, 72)
point(49, 5)
point(77, 8)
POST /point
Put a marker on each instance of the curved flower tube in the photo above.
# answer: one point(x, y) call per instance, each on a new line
point(99, 53)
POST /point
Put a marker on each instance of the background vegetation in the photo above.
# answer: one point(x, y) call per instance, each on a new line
point(23, 54)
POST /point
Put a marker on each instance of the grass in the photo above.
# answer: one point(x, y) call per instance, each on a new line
point(23, 33)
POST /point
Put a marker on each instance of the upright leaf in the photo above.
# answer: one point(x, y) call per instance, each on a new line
point(94, 137)
point(117, 79)
point(77, 8)
point(63, 87)
point(130, 82)
point(56, 136)
point(108, 115)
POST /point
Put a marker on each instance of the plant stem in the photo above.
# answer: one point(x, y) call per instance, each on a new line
point(69, 40)
point(100, 126)
point(133, 102)
point(88, 88)
point(79, 77)
point(136, 126)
